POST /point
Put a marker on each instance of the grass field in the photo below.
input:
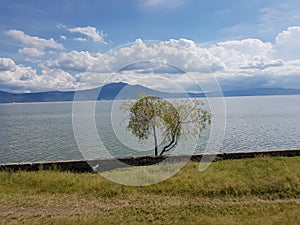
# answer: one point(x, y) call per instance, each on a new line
point(247, 191)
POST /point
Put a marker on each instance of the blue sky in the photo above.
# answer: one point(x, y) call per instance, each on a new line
point(50, 45)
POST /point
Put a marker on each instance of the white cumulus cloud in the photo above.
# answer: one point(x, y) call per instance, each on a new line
point(34, 42)
point(248, 46)
point(90, 32)
point(27, 79)
point(73, 60)
point(33, 52)
point(7, 64)
point(80, 39)
point(287, 44)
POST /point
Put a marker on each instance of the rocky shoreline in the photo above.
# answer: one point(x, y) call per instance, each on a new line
point(100, 165)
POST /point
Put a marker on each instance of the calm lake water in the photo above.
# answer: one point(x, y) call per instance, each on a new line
point(44, 131)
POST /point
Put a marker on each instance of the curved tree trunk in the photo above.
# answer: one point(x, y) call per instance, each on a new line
point(155, 141)
point(171, 145)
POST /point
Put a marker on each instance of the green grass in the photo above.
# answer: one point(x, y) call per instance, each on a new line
point(247, 191)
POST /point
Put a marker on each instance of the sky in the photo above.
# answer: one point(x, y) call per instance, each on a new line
point(61, 45)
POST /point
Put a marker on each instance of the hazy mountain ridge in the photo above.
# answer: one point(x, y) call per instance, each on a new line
point(125, 91)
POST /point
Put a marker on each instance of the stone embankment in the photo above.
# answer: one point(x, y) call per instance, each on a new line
point(100, 165)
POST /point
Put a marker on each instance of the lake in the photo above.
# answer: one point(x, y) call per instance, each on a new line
point(44, 131)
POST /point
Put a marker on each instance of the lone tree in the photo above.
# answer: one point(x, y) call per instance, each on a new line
point(150, 113)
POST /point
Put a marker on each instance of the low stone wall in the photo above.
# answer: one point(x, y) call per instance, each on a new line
point(72, 166)
point(109, 164)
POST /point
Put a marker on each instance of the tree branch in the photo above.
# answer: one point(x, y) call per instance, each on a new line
point(173, 142)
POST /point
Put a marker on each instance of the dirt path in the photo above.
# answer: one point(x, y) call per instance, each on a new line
point(92, 206)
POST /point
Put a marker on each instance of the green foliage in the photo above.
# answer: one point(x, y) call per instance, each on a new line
point(150, 113)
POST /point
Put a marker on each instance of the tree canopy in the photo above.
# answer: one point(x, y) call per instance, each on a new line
point(150, 113)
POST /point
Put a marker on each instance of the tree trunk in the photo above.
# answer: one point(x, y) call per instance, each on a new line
point(173, 141)
point(155, 141)
point(171, 145)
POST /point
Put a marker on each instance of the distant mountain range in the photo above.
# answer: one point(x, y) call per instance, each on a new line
point(125, 91)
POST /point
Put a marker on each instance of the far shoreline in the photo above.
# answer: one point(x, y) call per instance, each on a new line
point(132, 99)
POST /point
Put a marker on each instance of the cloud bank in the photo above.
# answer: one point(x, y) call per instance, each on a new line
point(247, 63)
